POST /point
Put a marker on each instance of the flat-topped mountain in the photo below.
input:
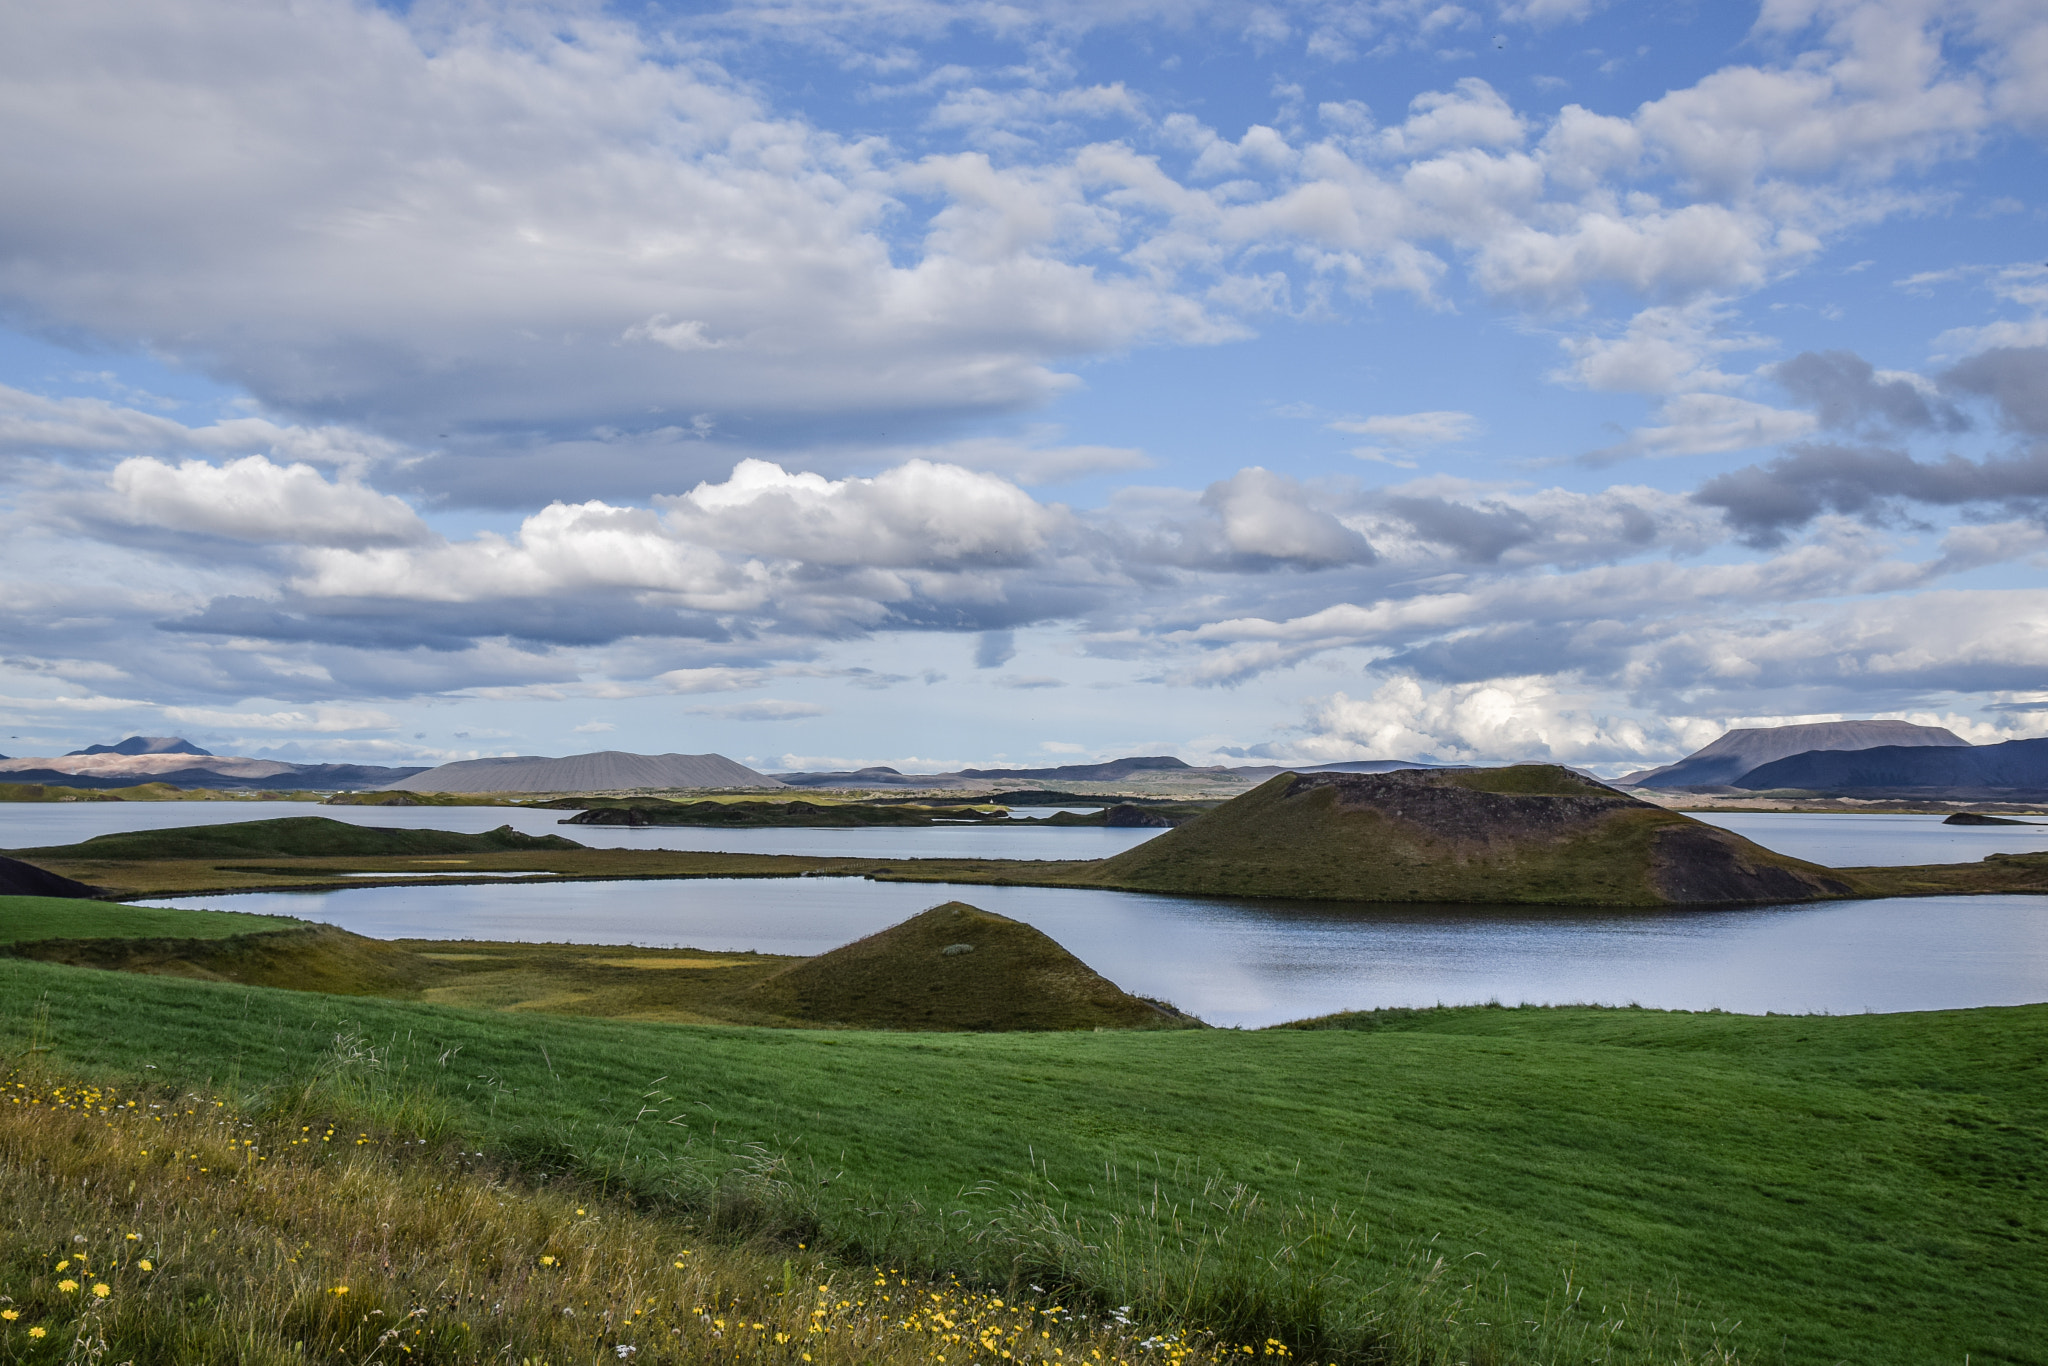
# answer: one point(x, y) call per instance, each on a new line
point(1739, 751)
point(954, 966)
point(2018, 767)
point(608, 770)
point(1529, 834)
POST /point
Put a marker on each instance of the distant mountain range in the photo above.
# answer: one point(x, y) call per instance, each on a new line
point(2016, 765)
point(141, 759)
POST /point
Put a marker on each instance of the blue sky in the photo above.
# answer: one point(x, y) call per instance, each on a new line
point(879, 381)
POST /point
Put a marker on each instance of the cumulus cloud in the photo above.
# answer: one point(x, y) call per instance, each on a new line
point(1529, 719)
point(252, 499)
point(1266, 516)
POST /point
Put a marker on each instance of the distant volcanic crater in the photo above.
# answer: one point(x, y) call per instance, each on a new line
point(1530, 834)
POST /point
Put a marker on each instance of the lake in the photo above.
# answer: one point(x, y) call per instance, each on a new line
point(1839, 841)
point(1260, 962)
point(1231, 962)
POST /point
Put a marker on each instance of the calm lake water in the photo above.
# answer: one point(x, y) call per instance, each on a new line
point(1839, 841)
point(1231, 962)
point(1261, 962)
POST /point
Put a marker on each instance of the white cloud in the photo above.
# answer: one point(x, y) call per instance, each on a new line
point(1472, 114)
point(1268, 515)
point(252, 499)
point(767, 709)
point(1700, 424)
point(323, 720)
point(1529, 719)
point(1663, 350)
point(915, 515)
point(1410, 430)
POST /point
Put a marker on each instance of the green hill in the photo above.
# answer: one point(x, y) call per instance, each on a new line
point(953, 967)
point(291, 836)
point(1532, 834)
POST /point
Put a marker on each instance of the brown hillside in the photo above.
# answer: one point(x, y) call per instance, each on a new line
point(953, 967)
point(1531, 833)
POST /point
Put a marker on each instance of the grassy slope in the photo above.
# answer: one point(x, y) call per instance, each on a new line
point(952, 967)
point(1275, 841)
point(1864, 1189)
point(27, 918)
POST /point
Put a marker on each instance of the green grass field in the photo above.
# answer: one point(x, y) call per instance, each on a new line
point(26, 918)
point(1861, 1189)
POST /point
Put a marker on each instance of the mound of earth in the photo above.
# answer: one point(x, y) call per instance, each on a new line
point(1531, 834)
point(316, 958)
point(295, 837)
point(604, 771)
point(1739, 751)
point(25, 879)
point(1979, 818)
point(953, 967)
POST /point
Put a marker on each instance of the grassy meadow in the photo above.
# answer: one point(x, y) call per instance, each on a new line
point(1452, 1185)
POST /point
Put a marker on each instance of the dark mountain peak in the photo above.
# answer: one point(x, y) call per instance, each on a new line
point(146, 744)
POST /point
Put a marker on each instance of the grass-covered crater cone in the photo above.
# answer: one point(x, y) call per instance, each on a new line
point(955, 967)
point(1532, 833)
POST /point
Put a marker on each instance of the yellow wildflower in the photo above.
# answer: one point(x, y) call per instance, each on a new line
point(37, 1332)
point(10, 1314)
point(67, 1285)
point(145, 1264)
point(547, 1261)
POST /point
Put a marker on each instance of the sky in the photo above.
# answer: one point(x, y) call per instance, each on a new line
point(827, 383)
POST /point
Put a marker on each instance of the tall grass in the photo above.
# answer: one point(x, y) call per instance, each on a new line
point(167, 1227)
point(343, 1215)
